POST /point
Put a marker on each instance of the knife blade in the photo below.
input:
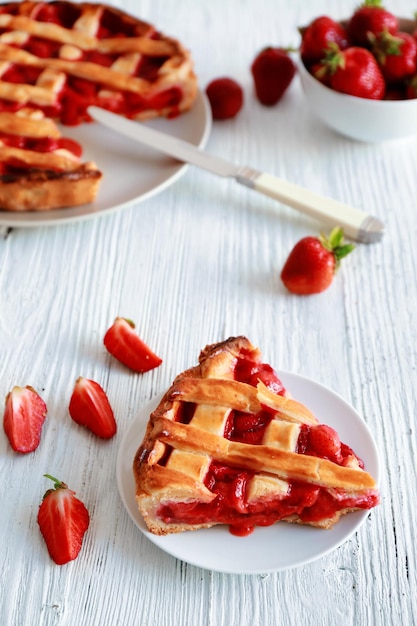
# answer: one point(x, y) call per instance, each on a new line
point(356, 224)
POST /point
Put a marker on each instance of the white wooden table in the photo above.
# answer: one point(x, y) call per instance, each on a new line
point(191, 266)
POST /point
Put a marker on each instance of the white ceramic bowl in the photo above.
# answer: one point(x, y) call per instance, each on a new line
point(359, 118)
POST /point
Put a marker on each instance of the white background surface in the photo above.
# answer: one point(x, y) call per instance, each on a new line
point(191, 266)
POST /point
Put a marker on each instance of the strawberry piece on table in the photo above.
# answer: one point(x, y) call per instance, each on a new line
point(63, 520)
point(272, 71)
point(24, 415)
point(313, 261)
point(396, 55)
point(316, 37)
point(90, 407)
point(353, 71)
point(122, 341)
point(226, 98)
point(370, 18)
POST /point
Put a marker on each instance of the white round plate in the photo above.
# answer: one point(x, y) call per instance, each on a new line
point(131, 172)
point(273, 548)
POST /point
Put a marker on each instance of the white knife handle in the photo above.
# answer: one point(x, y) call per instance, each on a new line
point(355, 223)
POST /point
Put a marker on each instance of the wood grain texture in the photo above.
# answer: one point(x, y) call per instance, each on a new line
point(191, 266)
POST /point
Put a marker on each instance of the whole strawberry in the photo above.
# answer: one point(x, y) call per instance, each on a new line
point(396, 55)
point(122, 341)
point(354, 71)
point(317, 36)
point(313, 261)
point(370, 18)
point(63, 520)
point(90, 407)
point(226, 98)
point(272, 71)
point(24, 415)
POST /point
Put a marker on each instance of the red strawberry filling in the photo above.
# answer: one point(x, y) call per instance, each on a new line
point(231, 506)
point(16, 166)
point(79, 93)
point(42, 144)
point(60, 13)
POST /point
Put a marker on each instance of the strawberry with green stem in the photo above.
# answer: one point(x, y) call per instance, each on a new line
point(63, 521)
point(370, 17)
point(353, 71)
point(313, 262)
point(396, 55)
point(318, 35)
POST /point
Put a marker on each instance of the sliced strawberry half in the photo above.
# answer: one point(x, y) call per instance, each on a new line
point(24, 415)
point(90, 407)
point(122, 341)
point(63, 520)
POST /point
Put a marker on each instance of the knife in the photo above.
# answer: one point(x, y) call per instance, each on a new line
point(356, 224)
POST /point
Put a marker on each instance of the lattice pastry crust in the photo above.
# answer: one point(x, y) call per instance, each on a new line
point(47, 180)
point(58, 58)
point(190, 432)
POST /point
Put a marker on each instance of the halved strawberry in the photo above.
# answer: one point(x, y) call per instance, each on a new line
point(90, 407)
point(23, 419)
point(125, 345)
point(63, 520)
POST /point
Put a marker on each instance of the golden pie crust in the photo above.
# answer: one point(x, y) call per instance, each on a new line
point(132, 70)
point(172, 462)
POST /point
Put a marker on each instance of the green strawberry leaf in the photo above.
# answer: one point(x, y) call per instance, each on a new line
point(343, 251)
point(371, 3)
point(333, 58)
point(334, 242)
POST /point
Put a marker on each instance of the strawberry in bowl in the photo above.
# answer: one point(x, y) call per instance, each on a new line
point(363, 85)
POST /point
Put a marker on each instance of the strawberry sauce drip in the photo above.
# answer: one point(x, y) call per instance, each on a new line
point(78, 94)
point(310, 503)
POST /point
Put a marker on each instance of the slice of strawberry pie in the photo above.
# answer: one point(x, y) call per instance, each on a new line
point(40, 169)
point(227, 445)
